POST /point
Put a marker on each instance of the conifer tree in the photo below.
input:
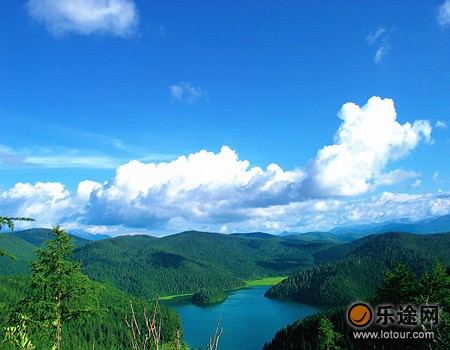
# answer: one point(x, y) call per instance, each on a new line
point(326, 336)
point(59, 291)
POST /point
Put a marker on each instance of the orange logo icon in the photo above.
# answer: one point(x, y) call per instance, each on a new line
point(359, 315)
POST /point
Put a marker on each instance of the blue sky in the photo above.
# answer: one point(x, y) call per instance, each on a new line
point(124, 116)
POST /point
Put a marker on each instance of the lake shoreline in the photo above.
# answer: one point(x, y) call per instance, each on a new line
point(260, 282)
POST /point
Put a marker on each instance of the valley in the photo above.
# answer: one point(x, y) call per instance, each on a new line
point(321, 272)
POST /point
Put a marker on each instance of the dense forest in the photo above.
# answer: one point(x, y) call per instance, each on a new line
point(58, 307)
point(190, 261)
point(323, 272)
point(107, 328)
point(208, 296)
point(356, 269)
point(330, 329)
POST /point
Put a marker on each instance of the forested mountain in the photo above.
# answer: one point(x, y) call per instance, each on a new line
point(331, 330)
point(354, 271)
point(21, 245)
point(107, 329)
point(37, 236)
point(189, 261)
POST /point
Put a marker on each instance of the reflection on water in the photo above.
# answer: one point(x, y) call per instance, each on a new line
point(249, 319)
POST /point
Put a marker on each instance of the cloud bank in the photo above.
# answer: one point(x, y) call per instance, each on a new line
point(219, 191)
point(114, 17)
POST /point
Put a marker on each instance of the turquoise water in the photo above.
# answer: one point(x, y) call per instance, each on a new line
point(249, 319)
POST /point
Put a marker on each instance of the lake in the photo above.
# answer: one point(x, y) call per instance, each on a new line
point(249, 319)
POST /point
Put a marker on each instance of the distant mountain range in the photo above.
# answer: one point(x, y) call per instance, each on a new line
point(89, 236)
point(349, 233)
point(435, 225)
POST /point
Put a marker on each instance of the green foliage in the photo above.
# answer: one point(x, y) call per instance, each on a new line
point(209, 296)
point(326, 336)
point(190, 261)
point(432, 288)
point(38, 237)
point(401, 285)
point(59, 291)
point(9, 221)
point(17, 335)
point(106, 329)
point(21, 245)
point(356, 269)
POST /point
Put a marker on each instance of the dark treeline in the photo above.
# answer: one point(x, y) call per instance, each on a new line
point(208, 296)
point(401, 286)
point(190, 261)
point(357, 268)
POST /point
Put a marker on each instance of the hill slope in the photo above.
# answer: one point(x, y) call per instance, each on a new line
point(355, 270)
point(106, 329)
point(189, 261)
point(21, 245)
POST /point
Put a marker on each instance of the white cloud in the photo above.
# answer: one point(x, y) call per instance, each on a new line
point(380, 38)
point(416, 183)
point(443, 16)
point(381, 53)
point(373, 36)
point(441, 125)
point(220, 192)
point(396, 176)
point(367, 140)
point(201, 187)
point(186, 92)
point(115, 17)
point(10, 157)
point(71, 161)
point(46, 202)
point(60, 157)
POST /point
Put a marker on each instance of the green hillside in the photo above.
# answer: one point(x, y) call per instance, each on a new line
point(107, 329)
point(190, 261)
point(20, 245)
point(400, 286)
point(37, 237)
point(356, 269)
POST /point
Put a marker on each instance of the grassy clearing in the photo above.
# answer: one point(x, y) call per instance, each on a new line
point(173, 296)
point(267, 281)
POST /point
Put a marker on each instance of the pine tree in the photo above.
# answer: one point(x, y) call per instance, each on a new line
point(60, 292)
point(400, 285)
point(326, 336)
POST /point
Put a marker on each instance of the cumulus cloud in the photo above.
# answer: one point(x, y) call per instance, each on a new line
point(200, 187)
point(115, 17)
point(379, 38)
point(186, 92)
point(367, 140)
point(43, 201)
point(221, 192)
point(443, 16)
